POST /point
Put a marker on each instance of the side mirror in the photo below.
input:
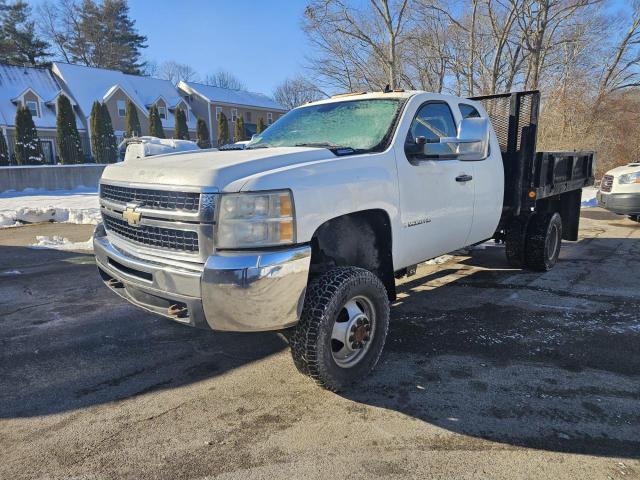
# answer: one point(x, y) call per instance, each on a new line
point(472, 142)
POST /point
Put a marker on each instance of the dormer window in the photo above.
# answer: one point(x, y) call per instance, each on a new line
point(33, 107)
point(122, 108)
point(162, 111)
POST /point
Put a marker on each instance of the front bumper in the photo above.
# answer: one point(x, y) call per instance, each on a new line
point(241, 292)
point(621, 203)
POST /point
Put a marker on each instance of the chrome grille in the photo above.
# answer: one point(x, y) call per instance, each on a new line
point(167, 238)
point(606, 183)
point(155, 199)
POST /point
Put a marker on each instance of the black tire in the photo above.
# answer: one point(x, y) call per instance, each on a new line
point(514, 239)
point(635, 218)
point(543, 242)
point(312, 347)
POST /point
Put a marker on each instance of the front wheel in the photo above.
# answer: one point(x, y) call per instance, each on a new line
point(343, 327)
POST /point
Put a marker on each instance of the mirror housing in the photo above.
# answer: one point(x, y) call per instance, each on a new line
point(471, 144)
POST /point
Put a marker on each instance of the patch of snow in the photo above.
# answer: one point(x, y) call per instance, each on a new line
point(57, 242)
point(439, 260)
point(589, 197)
point(79, 206)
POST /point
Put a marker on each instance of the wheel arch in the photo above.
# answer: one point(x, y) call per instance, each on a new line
point(359, 239)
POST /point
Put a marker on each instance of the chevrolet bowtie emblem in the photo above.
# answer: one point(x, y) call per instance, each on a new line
point(131, 216)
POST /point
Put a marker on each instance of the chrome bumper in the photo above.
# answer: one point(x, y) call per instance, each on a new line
point(241, 292)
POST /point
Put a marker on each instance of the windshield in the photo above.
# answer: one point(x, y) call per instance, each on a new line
point(356, 124)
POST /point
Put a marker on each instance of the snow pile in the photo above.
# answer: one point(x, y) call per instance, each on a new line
point(78, 206)
point(589, 197)
point(61, 243)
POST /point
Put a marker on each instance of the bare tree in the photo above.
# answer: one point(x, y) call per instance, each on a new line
point(296, 91)
point(175, 72)
point(224, 79)
point(364, 43)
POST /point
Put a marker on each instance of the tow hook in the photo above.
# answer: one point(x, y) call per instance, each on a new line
point(115, 283)
point(178, 310)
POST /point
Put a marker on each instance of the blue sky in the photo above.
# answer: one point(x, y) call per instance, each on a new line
point(261, 42)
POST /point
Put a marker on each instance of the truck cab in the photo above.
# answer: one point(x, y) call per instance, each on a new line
point(306, 229)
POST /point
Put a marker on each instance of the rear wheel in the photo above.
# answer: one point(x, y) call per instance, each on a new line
point(343, 327)
point(543, 241)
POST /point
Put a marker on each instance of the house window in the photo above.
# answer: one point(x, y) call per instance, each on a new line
point(162, 111)
point(218, 112)
point(122, 109)
point(234, 114)
point(269, 118)
point(33, 107)
point(247, 116)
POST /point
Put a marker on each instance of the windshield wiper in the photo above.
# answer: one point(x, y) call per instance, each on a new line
point(259, 145)
point(336, 149)
point(320, 145)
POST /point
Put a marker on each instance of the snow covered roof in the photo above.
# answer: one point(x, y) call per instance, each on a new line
point(88, 84)
point(15, 81)
point(227, 95)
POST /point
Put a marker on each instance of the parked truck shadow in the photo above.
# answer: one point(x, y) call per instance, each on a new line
point(66, 342)
point(548, 361)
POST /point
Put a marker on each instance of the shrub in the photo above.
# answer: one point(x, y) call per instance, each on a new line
point(28, 150)
point(68, 138)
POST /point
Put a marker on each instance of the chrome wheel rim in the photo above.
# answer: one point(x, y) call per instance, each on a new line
point(553, 242)
point(353, 331)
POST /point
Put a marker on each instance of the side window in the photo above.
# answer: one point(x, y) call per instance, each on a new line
point(433, 121)
point(468, 111)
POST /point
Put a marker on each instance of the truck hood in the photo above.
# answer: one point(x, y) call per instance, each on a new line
point(209, 168)
point(631, 168)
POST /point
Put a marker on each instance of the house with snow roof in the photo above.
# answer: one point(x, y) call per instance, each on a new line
point(208, 102)
point(113, 88)
point(37, 89)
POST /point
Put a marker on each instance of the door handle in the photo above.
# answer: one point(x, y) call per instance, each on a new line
point(464, 178)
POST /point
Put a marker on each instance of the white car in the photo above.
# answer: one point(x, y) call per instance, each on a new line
point(620, 191)
point(306, 229)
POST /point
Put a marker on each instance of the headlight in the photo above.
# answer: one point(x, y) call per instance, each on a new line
point(259, 219)
point(630, 178)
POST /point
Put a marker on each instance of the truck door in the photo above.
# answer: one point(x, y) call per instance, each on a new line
point(436, 194)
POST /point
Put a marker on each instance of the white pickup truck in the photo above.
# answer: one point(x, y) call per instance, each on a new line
point(307, 228)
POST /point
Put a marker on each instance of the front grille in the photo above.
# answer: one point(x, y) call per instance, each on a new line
point(155, 199)
point(606, 184)
point(186, 241)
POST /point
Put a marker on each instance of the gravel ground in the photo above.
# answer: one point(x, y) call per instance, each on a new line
point(488, 373)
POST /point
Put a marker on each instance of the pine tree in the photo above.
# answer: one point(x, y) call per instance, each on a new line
point(109, 137)
point(239, 130)
point(202, 134)
point(181, 130)
point(19, 43)
point(261, 126)
point(68, 138)
point(28, 151)
point(155, 123)
point(223, 130)
point(4, 151)
point(131, 121)
point(105, 36)
point(103, 140)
